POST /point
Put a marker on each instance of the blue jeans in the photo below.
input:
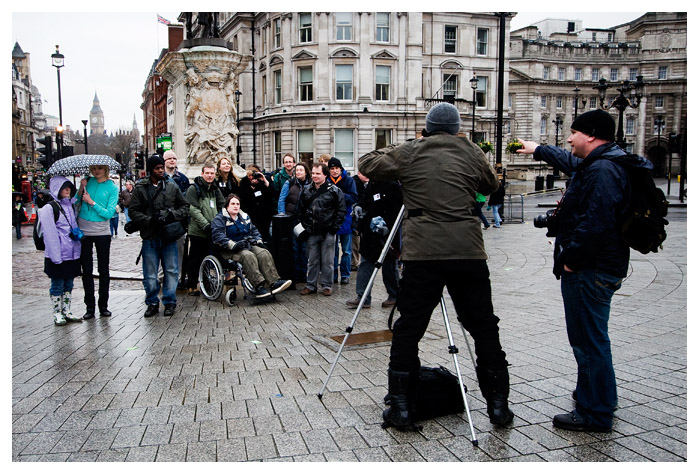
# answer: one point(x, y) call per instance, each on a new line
point(18, 230)
point(60, 286)
point(154, 253)
point(480, 213)
point(390, 276)
point(126, 215)
point(346, 260)
point(587, 295)
point(496, 216)
point(114, 225)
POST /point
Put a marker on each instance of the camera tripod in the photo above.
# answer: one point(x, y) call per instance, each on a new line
point(452, 348)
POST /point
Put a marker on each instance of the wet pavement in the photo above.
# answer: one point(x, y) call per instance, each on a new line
point(240, 383)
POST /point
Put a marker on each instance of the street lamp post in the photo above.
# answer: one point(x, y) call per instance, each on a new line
point(238, 127)
point(474, 84)
point(85, 134)
point(558, 122)
point(57, 61)
point(659, 123)
point(583, 101)
point(621, 102)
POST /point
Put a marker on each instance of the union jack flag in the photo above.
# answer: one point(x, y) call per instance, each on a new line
point(163, 20)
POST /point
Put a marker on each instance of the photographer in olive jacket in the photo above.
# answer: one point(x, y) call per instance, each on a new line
point(443, 245)
point(157, 202)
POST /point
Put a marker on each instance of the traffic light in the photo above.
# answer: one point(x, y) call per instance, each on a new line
point(67, 151)
point(118, 157)
point(46, 157)
point(138, 161)
point(674, 143)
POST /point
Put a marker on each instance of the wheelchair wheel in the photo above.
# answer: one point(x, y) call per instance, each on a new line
point(211, 278)
point(231, 296)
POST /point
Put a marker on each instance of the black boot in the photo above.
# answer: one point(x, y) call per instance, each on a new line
point(399, 414)
point(495, 386)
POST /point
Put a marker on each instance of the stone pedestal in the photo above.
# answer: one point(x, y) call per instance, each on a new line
point(203, 79)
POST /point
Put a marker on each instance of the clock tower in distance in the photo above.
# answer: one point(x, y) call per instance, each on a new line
point(97, 118)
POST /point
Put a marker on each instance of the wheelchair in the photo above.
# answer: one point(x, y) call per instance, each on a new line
point(213, 281)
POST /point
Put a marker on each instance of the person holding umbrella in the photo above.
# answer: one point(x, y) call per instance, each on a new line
point(97, 198)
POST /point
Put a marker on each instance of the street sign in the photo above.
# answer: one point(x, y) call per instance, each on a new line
point(165, 142)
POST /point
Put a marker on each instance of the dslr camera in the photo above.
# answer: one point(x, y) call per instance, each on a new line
point(257, 175)
point(549, 221)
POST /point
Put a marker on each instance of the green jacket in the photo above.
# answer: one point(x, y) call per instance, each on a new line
point(440, 176)
point(279, 179)
point(206, 200)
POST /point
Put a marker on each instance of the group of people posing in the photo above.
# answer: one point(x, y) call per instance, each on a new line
point(440, 244)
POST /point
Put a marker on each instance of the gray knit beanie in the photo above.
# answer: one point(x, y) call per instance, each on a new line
point(443, 117)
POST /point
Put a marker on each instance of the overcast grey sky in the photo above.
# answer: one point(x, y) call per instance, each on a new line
point(111, 53)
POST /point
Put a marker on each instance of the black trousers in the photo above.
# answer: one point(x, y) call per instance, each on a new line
point(420, 289)
point(199, 249)
point(102, 245)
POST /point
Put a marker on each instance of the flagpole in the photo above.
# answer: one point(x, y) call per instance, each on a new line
point(157, 35)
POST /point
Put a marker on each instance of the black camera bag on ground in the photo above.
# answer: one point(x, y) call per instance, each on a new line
point(436, 394)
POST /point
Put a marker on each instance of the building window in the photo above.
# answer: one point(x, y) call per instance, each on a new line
point(613, 74)
point(629, 126)
point(482, 41)
point(510, 101)
point(629, 148)
point(305, 146)
point(382, 138)
point(450, 39)
point(235, 42)
point(264, 91)
point(449, 86)
point(277, 33)
point(577, 74)
point(663, 70)
point(633, 74)
point(383, 27)
point(481, 89)
point(543, 126)
point(479, 137)
point(382, 79)
point(343, 26)
point(561, 73)
point(278, 86)
point(659, 102)
point(593, 102)
point(595, 74)
point(560, 102)
point(545, 72)
point(543, 102)
point(343, 82)
point(277, 146)
point(344, 147)
point(306, 87)
point(305, 28)
point(507, 127)
point(594, 35)
point(263, 42)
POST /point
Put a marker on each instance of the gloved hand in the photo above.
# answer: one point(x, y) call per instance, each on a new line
point(378, 226)
point(357, 212)
point(238, 246)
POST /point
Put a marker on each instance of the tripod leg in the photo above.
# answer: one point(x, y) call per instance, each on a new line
point(377, 266)
point(469, 347)
point(453, 351)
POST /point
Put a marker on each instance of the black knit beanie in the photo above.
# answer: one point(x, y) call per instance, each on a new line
point(154, 160)
point(596, 123)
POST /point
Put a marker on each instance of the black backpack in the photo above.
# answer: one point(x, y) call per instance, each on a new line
point(38, 234)
point(642, 228)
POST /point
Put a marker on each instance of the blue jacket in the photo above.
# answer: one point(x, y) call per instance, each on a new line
point(591, 210)
point(347, 186)
point(224, 229)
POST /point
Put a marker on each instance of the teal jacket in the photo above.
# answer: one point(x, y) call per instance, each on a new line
point(106, 197)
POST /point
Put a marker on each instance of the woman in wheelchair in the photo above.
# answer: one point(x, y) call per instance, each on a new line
point(238, 239)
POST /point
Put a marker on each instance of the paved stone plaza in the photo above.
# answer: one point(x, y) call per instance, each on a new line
point(219, 383)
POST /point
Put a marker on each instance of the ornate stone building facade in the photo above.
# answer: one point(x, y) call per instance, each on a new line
point(347, 83)
point(545, 71)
